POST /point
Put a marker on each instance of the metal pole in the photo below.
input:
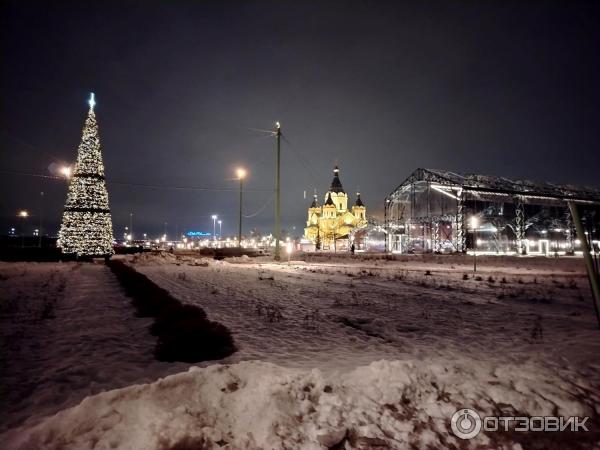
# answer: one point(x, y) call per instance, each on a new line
point(385, 225)
point(278, 194)
point(41, 219)
point(474, 249)
point(587, 257)
point(240, 227)
point(131, 225)
point(23, 233)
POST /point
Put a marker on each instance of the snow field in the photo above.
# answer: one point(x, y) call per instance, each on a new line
point(253, 404)
point(340, 354)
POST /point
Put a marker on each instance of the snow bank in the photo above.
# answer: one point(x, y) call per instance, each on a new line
point(388, 404)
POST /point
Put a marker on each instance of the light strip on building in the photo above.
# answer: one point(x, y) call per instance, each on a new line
point(439, 189)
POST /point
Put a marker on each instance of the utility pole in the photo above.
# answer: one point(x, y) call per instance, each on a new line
point(278, 193)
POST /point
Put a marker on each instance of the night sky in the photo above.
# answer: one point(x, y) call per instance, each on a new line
point(380, 88)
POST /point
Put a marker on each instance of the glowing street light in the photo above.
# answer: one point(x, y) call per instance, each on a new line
point(241, 173)
point(220, 222)
point(65, 171)
point(24, 214)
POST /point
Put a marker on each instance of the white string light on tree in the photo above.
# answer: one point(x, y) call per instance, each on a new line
point(86, 228)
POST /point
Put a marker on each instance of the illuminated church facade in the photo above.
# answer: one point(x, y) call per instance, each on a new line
point(330, 226)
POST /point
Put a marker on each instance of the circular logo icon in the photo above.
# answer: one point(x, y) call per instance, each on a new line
point(466, 423)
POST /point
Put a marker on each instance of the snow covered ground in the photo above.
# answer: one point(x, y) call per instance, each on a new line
point(340, 351)
point(67, 331)
point(343, 314)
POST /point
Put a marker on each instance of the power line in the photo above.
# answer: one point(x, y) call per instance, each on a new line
point(190, 188)
point(271, 132)
point(261, 209)
point(142, 185)
point(312, 172)
point(14, 172)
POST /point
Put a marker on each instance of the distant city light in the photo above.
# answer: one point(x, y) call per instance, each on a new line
point(197, 233)
point(23, 214)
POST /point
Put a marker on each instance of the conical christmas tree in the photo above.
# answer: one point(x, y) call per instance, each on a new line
point(86, 228)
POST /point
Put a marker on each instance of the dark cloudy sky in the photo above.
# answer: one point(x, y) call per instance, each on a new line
point(381, 88)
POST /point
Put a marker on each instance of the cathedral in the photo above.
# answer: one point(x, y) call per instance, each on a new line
point(330, 226)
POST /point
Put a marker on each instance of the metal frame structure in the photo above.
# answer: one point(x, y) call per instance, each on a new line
point(465, 195)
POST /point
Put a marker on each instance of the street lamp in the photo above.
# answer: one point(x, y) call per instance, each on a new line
point(241, 174)
point(24, 215)
point(289, 252)
point(220, 222)
point(474, 225)
point(65, 171)
point(131, 226)
point(214, 218)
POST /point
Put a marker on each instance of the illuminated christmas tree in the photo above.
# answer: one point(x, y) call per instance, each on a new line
point(86, 228)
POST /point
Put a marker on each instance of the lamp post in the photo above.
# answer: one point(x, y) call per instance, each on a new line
point(131, 225)
point(220, 222)
point(474, 225)
point(41, 219)
point(289, 252)
point(24, 215)
point(214, 218)
point(241, 174)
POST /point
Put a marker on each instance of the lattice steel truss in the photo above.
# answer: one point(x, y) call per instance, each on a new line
point(482, 188)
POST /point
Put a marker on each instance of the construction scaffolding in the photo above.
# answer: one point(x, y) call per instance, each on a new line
point(433, 211)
